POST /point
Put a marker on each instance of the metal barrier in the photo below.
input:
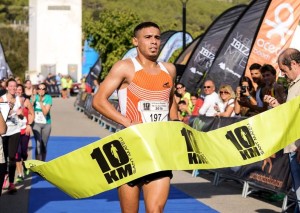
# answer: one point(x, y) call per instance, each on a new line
point(83, 103)
point(53, 90)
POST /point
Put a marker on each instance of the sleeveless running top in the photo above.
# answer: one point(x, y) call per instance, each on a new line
point(146, 98)
point(13, 121)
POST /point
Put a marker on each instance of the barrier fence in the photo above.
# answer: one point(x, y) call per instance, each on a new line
point(271, 174)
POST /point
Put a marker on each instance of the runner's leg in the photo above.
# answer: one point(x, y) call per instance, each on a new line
point(156, 194)
point(129, 198)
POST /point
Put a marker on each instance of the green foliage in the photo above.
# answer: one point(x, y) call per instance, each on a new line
point(111, 33)
point(111, 29)
point(15, 45)
point(11, 10)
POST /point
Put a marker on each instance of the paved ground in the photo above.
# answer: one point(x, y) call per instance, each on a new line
point(226, 197)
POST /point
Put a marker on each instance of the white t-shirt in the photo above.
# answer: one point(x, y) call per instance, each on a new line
point(208, 107)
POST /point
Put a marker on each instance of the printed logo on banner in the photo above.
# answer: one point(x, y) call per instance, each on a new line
point(244, 140)
point(238, 51)
point(114, 160)
point(205, 56)
point(195, 156)
point(278, 30)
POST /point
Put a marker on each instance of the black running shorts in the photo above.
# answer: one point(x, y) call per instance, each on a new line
point(150, 177)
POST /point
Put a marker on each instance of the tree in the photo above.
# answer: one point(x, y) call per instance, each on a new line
point(110, 33)
point(15, 46)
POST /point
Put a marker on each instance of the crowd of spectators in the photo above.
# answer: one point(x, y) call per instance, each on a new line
point(246, 100)
point(29, 112)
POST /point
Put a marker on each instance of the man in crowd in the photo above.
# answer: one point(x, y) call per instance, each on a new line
point(289, 64)
point(141, 81)
point(210, 100)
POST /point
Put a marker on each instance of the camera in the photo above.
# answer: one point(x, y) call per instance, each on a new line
point(243, 89)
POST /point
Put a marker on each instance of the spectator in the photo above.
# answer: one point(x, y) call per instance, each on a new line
point(2, 87)
point(197, 103)
point(58, 81)
point(95, 86)
point(245, 94)
point(42, 103)
point(184, 111)
point(69, 84)
point(289, 64)
point(50, 80)
point(82, 85)
point(22, 152)
point(210, 100)
point(29, 90)
point(40, 78)
point(225, 108)
point(185, 96)
point(271, 87)
point(18, 80)
point(64, 87)
point(11, 137)
point(258, 80)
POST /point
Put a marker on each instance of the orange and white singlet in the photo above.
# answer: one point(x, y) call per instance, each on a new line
point(146, 99)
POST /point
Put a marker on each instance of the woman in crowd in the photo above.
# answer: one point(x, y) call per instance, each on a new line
point(29, 89)
point(245, 94)
point(225, 108)
point(42, 103)
point(185, 96)
point(22, 153)
point(12, 135)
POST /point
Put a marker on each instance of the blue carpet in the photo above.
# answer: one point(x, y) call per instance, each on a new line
point(45, 198)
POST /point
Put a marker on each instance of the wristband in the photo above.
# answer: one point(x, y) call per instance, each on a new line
point(249, 97)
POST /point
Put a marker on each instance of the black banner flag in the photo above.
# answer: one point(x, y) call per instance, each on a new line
point(208, 45)
point(232, 57)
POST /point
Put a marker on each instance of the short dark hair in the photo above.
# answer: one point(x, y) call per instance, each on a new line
point(22, 86)
point(255, 66)
point(180, 84)
point(182, 102)
point(288, 55)
point(268, 68)
point(195, 95)
point(144, 25)
point(10, 80)
point(43, 84)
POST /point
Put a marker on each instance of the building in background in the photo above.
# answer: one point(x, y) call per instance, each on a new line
point(55, 38)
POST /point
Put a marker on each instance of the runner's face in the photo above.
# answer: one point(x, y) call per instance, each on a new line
point(148, 42)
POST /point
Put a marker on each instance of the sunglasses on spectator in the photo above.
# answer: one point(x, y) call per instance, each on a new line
point(178, 87)
point(224, 92)
point(41, 88)
point(207, 87)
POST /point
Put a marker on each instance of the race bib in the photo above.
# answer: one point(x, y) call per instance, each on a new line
point(39, 117)
point(154, 111)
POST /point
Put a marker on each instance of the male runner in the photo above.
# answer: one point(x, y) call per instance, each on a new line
point(141, 81)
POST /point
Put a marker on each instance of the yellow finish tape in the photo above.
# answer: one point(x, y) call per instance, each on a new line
point(147, 148)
